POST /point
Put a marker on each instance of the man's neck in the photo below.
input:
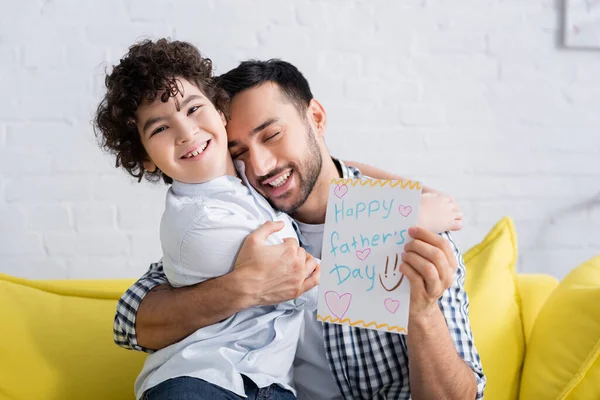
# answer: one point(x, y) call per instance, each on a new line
point(314, 208)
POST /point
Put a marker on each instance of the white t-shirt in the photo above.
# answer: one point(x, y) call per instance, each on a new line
point(312, 375)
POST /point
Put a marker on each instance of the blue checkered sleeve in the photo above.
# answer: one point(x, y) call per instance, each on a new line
point(454, 304)
point(124, 333)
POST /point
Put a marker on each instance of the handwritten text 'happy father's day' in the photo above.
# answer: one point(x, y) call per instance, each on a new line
point(361, 244)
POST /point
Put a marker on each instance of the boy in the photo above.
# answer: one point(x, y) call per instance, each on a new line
point(163, 117)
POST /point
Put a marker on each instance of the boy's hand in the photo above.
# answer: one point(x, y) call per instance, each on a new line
point(439, 213)
point(272, 274)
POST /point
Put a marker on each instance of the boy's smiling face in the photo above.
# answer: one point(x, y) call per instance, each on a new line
point(185, 137)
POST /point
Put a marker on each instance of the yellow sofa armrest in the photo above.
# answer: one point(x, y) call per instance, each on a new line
point(534, 290)
point(110, 289)
point(60, 333)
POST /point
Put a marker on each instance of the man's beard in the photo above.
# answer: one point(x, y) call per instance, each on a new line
point(307, 174)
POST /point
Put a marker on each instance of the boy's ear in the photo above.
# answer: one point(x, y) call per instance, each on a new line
point(149, 166)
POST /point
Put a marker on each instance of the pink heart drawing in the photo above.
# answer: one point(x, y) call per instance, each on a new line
point(405, 210)
point(338, 304)
point(391, 305)
point(363, 254)
point(340, 190)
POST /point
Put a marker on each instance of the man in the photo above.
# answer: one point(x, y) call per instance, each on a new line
point(277, 128)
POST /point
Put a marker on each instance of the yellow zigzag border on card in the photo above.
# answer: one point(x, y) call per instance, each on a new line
point(361, 322)
point(411, 185)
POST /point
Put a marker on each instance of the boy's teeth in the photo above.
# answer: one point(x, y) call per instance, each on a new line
point(281, 180)
point(197, 151)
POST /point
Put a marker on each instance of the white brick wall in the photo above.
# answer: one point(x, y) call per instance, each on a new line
point(473, 96)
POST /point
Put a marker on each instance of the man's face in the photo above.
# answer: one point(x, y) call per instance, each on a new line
point(185, 137)
point(277, 145)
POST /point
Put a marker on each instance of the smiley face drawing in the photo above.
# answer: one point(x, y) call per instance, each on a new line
point(393, 279)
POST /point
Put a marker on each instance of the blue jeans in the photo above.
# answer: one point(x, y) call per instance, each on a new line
point(186, 388)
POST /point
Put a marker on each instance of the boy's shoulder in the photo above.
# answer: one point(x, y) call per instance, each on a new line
point(183, 212)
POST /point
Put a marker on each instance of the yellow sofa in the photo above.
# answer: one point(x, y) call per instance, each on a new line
point(56, 336)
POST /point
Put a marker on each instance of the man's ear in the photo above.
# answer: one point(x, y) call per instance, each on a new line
point(149, 166)
point(316, 110)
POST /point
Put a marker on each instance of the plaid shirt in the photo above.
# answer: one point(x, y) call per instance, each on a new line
point(366, 364)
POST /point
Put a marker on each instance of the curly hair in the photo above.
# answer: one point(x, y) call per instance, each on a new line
point(149, 68)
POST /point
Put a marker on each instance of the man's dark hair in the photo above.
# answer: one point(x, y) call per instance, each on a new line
point(148, 69)
point(252, 73)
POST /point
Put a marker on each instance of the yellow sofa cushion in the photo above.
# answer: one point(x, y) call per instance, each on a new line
point(563, 356)
point(534, 290)
point(495, 310)
point(56, 341)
